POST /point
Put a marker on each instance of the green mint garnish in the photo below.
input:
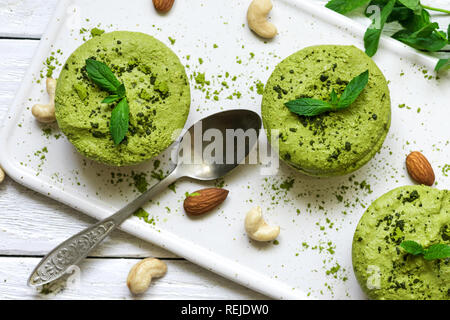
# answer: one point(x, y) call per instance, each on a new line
point(442, 64)
point(435, 251)
point(412, 247)
point(373, 33)
point(313, 107)
point(417, 29)
point(344, 6)
point(102, 76)
point(119, 121)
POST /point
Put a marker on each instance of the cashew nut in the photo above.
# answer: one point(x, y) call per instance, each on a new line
point(46, 112)
point(143, 272)
point(257, 228)
point(2, 175)
point(257, 18)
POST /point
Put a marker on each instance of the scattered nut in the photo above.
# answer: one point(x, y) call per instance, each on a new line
point(143, 272)
point(163, 5)
point(257, 228)
point(45, 113)
point(204, 200)
point(419, 168)
point(2, 175)
point(257, 18)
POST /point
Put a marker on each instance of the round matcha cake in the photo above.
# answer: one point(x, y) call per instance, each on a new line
point(157, 91)
point(332, 143)
point(383, 268)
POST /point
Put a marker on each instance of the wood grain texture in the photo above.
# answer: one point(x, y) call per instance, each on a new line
point(25, 18)
point(31, 224)
point(106, 279)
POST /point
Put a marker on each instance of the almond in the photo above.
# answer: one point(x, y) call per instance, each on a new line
point(163, 5)
point(204, 200)
point(419, 168)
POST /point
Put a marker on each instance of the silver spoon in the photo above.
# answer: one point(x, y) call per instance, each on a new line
point(72, 251)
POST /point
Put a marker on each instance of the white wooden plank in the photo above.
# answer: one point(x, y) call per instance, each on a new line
point(31, 224)
point(15, 57)
point(29, 18)
point(106, 279)
point(25, 18)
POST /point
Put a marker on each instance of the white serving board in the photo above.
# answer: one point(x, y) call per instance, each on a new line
point(317, 216)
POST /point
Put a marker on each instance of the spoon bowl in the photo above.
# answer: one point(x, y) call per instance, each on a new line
point(217, 144)
point(208, 150)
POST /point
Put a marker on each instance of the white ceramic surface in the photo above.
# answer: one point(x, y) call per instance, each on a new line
point(218, 241)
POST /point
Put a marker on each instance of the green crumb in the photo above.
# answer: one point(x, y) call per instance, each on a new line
point(144, 215)
point(200, 79)
point(215, 46)
point(287, 184)
point(194, 194)
point(259, 87)
point(97, 32)
point(333, 270)
point(172, 40)
point(219, 183)
point(200, 60)
point(140, 181)
point(81, 91)
point(158, 175)
point(276, 242)
point(47, 132)
point(173, 187)
point(446, 169)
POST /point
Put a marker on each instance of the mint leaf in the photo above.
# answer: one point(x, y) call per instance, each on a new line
point(427, 38)
point(102, 76)
point(112, 98)
point(119, 121)
point(344, 6)
point(353, 90)
point(313, 107)
point(437, 251)
point(442, 64)
point(334, 98)
point(308, 107)
point(412, 4)
point(121, 91)
point(412, 247)
point(373, 33)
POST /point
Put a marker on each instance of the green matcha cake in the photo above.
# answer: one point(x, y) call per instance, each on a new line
point(332, 143)
point(383, 268)
point(157, 91)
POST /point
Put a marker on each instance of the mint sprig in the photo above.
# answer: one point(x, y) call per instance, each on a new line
point(313, 107)
point(417, 29)
point(435, 251)
point(103, 76)
point(373, 33)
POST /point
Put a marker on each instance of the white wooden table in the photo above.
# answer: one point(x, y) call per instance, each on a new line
point(31, 224)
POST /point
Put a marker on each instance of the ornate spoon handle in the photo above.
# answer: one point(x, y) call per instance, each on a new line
point(76, 248)
point(70, 253)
